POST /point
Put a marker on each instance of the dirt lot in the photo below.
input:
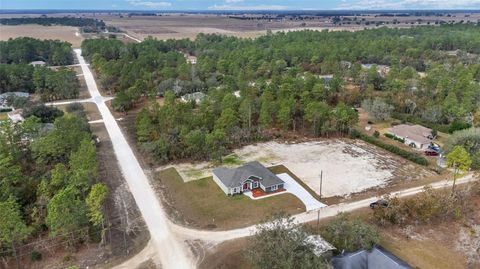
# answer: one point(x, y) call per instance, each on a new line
point(64, 33)
point(201, 203)
point(348, 166)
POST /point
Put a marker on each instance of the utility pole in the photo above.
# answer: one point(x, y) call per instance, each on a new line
point(320, 197)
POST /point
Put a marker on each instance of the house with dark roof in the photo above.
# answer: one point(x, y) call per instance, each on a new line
point(376, 258)
point(247, 177)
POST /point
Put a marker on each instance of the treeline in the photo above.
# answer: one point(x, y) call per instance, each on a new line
point(48, 179)
point(87, 23)
point(279, 78)
point(49, 84)
point(222, 120)
point(135, 70)
point(24, 50)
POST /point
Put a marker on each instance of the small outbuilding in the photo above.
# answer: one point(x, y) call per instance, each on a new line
point(15, 115)
point(321, 248)
point(247, 177)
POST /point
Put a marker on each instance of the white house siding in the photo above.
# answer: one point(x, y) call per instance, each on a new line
point(221, 185)
point(417, 144)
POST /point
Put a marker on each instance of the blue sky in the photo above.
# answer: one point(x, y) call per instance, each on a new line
point(238, 4)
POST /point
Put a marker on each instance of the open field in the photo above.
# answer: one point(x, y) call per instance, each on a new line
point(179, 26)
point(348, 166)
point(64, 33)
point(201, 203)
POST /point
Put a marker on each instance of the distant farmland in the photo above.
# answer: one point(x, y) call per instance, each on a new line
point(64, 33)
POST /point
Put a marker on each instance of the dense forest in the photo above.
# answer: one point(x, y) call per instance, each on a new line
point(17, 75)
point(87, 24)
point(48, 178)
point(24, 50)
point(278, 81)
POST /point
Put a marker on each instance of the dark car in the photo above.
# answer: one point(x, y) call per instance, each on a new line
point(380, 203)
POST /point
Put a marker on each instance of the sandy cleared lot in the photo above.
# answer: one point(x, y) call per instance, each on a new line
point(64, 33)
point(348, 166)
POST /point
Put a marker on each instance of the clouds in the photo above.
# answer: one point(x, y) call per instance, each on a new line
point(149, 4)
point(410, 4)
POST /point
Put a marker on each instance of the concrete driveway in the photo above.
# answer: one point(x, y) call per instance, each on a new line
point(292, 186)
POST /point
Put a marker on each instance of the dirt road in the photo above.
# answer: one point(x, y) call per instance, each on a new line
point(325, 212)
point(171, 252)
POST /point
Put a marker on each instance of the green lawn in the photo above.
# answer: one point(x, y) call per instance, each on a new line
point(203, 204)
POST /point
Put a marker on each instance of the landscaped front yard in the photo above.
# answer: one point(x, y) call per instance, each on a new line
point(201, 203)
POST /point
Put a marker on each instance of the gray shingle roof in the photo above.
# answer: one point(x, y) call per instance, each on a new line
point(377, 258)
point(235, 177)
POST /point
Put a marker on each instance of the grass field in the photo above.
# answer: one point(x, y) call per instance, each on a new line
point(201, 203)
point(64, 33)
point(3, 115)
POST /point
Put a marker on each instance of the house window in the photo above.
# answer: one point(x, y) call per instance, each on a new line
point(255, 185)
point(274, 187)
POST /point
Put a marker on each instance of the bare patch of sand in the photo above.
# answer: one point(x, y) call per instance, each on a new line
point(348, 166)
point(64, 33)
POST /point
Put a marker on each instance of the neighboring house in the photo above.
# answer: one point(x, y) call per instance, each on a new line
point(4, 97)
point(383, 70)
point(196, 96)
point(16, 115)
point(38, 63)
point(190, 58)
point(326, 79)
point(250, 176)
point(416, 136)
point(377, 258)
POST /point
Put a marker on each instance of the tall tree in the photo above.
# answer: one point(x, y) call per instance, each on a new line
point(12, 227)
point(459, 159)
point(66, 213)
point(281, 243)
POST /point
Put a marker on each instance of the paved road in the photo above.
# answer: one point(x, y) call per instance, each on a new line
point(171, 252)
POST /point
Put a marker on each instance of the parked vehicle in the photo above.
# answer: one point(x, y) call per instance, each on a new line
point(379, 203)
point(430, 152)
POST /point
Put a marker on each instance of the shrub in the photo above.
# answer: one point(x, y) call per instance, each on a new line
point(427, 206)
point(35, 256)
point(457, 126)
point(393, 149)
point(394, 137)
point(376, 134)
point(350, 234)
